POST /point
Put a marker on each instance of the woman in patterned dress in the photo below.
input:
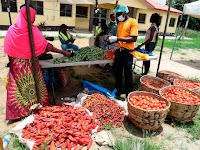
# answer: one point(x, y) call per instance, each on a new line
point(21, 92)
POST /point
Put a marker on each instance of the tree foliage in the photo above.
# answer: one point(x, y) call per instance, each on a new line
point(194, 23)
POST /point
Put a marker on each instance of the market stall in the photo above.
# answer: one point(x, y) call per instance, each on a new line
point(71, 125)
point(190, 9)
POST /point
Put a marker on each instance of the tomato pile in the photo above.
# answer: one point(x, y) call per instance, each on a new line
point(110, 55)
point(148, 84)
point(105, 110)
point(180, 95)
point(188, 84)
point(147, 103)
point(60, 127)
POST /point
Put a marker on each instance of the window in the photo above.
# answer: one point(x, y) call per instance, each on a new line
point(142, 18)
point(81, 12)
point(38, 6)
point(65, 10)
point(13, 6)
point(172, 22)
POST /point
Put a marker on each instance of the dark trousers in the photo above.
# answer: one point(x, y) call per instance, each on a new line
point(123, 62)
point(146, 65)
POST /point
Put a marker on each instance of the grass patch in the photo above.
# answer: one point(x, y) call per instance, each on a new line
point(193, 127)
point(193, 61)
point(195, 79)
point(183, 44)
point(17, 145)
point(183, 54)
point(2, 37)
point(189, 33)
point(136, 144)
point(182, 58)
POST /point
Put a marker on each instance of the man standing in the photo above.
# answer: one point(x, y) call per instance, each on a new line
point(112, 24)
point(127, 32)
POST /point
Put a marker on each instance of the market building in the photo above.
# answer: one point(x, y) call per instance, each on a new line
point(52, 14)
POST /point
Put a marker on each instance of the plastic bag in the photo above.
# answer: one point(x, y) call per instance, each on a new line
point(123, 104)
point(93, 88)
point(63, 75)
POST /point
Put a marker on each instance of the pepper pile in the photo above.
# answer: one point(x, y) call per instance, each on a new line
point(188, 84)
point(148, 84)
point(83, 54)
point(147, 103)
point(110, 55)
point(105, 110)
point(60, 127)
point(180, 95)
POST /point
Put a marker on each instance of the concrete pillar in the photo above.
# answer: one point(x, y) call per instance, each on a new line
point(91, 18)
point(134, 12)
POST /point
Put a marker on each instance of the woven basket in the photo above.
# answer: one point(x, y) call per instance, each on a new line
point(179, 111)
point(150, 120)
point(169, 76)
point(184, 80)
point(197, 91)
point(154, 81)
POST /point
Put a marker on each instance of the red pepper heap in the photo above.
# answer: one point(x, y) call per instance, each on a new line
point(105, 110)
point(60, 127)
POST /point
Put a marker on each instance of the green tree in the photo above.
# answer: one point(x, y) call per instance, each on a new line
point(194, 23)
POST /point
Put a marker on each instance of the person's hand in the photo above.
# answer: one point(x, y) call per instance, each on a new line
point(112, 39)
point(66, 54)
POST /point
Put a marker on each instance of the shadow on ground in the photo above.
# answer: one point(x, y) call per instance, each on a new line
point(191, 63)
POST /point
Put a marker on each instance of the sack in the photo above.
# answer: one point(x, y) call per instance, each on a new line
point(63, 76)
point(46, 74)
point(93, 88)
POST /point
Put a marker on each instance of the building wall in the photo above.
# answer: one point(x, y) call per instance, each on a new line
point(149, 12)
point(83, 23)
point(53, 18)
point(48, 15)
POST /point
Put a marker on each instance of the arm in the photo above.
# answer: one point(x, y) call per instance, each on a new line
point(63, 42)
point(153, 29)
point(97, 41)
point(65, 53)
point(51, 48)
point(127, 39)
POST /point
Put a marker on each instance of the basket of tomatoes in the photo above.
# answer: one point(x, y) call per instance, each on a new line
point(189, 84)
point(152, 84)
point(147, 110)
point(184, 103)
point(169, 76)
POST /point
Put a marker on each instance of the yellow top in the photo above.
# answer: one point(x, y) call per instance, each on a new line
point(127, 29)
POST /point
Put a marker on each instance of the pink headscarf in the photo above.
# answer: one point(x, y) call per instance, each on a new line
point(16, 42)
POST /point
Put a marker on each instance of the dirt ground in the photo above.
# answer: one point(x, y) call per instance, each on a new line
point(187, 65)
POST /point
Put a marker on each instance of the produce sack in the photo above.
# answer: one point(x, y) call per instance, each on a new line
point(93, 88)
point(63, 75)
point(17, 130)
point(46, 75)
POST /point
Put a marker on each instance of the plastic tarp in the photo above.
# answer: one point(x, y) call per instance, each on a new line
point(192, 9)
point(95, 88)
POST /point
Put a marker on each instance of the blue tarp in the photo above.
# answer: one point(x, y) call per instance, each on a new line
point(94, 88)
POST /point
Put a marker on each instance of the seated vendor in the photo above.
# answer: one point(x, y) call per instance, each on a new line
point(100, 40)
point(66, 39)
